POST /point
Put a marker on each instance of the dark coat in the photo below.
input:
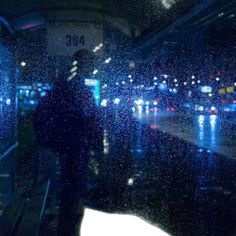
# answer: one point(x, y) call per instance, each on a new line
point(68, 118)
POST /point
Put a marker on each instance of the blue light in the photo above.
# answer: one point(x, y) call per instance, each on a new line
point(139, 102)
point(213, 108)
point(8, 101)
point(162, 86)
point(201, 108)
point(206, 89)
point(175, 90)
point(104, 103)
point(116, 101)
point(155, 103)
point(43, 94)
point(213, 121)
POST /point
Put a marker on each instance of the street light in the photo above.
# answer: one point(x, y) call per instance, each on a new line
point(23, 63)
point(165, 76)
point(95, 72)
point(108, 60)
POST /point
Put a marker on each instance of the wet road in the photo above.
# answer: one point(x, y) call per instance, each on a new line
point(214, 132)
point(180, 187)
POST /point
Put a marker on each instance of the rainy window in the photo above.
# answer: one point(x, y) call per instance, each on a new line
point(118, 116)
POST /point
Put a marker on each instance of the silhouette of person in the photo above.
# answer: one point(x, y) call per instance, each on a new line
point(68, 122)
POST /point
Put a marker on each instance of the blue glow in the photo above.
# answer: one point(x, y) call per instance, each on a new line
point(162, 86)
point(206, 89)
point(43, 93)
point(155, 103)
point(201, 108)
point(104, 103)
point(139, 102)
point(95, 72)
point(8, 101)
point(175, 90)
point(201, 124)
point(213, 121)
point(213, 108)
point(116, 101)
point(140, 109)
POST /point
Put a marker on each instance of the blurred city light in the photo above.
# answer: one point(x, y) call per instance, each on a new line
point(139, 102)
point(75, 63)
point(23, 63)
point(73, 69)
point(206, 89)
point(130, 181)
point(116, 101)
point(95, 72)
point(108, 60)
point(175, 90)
point(8, 101)
point(104, 102)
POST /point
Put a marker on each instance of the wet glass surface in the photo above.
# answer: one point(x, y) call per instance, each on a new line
point(185, 189)
point(162, 76)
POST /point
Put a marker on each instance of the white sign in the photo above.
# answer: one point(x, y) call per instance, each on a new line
point(64, 38)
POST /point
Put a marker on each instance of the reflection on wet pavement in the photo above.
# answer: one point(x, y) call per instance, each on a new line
point(181, 188)
point(184, 189)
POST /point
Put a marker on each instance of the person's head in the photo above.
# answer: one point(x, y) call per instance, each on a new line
point(84, 61)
